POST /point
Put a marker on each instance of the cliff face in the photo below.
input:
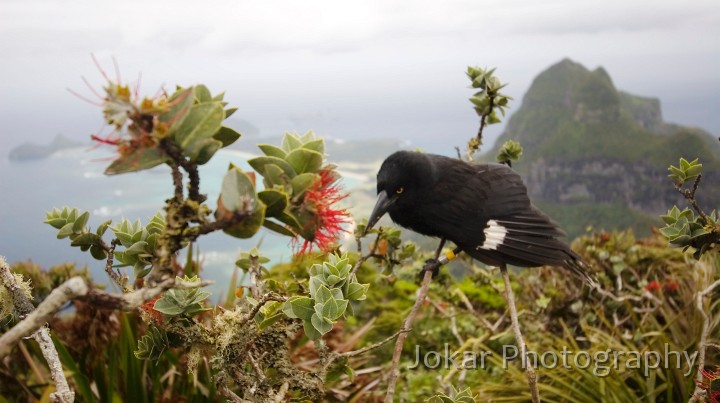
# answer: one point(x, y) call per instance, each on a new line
point(634, 185)
point(596, 154)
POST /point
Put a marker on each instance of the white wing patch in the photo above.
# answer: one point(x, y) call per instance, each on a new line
point(494, 235)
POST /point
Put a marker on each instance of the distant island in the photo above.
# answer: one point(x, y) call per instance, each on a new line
point(597, 156)
point(31, 151)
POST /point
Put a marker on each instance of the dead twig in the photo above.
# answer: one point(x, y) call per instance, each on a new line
point(529, 369)
point(24, 308)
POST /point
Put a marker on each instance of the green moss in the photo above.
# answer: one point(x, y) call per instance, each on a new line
point(483, 294)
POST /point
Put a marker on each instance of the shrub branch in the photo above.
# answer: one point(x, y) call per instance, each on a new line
point(41, 334)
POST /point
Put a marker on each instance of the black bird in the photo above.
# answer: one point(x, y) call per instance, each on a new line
point(484, 209)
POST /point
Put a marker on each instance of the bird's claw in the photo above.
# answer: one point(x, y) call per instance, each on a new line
point(432, 265)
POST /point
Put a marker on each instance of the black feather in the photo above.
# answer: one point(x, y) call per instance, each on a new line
point(451, 199)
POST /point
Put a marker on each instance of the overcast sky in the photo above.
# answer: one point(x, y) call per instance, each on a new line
point(347, 69)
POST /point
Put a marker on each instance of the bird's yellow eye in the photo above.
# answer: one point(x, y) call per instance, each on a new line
point(399, 190)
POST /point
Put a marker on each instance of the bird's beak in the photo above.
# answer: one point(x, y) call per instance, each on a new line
point(382, 205)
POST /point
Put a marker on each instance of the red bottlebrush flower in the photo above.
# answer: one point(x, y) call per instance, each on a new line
point(135, 119)
point(671, 286)
point(328, 219)
point(652, 286)
point(149, 308)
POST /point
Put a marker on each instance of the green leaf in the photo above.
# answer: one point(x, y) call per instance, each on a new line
point(315, 283)
point(275, 201)
point(269, 321)
point(168, 306)
point(356, 291)
point(275, 176)
point(307, 137)
point(202, 94)
point(336, 293)
point(229, 112)
point(79, 225)
point(307, 221)
point(299, 307)
point(310, 330)
point(323, 294)
point(55, 221)
point(201, 151)
point(280, 229)
point(303, 182)
point(137, 248)
point(321, 324)
point(290, 142)
point(290, 220)
point(694, 170)
point(219, 97)
point(152, 345)
point(672, 216)
point(72, 214)
point(141, 268)
point(237, 195)
point(226, 136)
point(303, 160)
point(98, 252)
point(333, 309)
point(137, 160)
point(316, 145)
point(85, 239)
point(201, 123)
point(237, 191)
point(65, 231)
point(272, 151)
point(180, 103)
point(259, 163)
point(248, 227)
point(103, 227)
point(510, 151)
point(156, 224)
point(332, 280)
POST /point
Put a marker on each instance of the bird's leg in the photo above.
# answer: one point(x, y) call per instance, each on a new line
point(439, 248)
point(434, 264)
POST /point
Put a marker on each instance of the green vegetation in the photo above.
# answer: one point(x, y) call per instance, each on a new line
point(587, 144)
point(659, 284)
point(319, 328)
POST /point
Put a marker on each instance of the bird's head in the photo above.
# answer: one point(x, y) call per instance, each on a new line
point(403, 177)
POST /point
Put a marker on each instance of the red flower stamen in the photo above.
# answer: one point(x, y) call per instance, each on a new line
point(149, 308)
point(652, 286)
point(330, 220)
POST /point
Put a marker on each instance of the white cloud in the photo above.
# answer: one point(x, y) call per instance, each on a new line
point(397, 65)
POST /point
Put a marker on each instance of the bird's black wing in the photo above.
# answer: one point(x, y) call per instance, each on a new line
point(490, 216)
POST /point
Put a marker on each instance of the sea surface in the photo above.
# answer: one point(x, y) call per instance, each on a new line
point(74, 178)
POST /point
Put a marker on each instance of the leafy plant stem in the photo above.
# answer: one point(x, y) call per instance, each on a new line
point(115, 276)
point(689, 195)
point(483, 123)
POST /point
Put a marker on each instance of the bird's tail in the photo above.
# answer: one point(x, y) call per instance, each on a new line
point(582, 269)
